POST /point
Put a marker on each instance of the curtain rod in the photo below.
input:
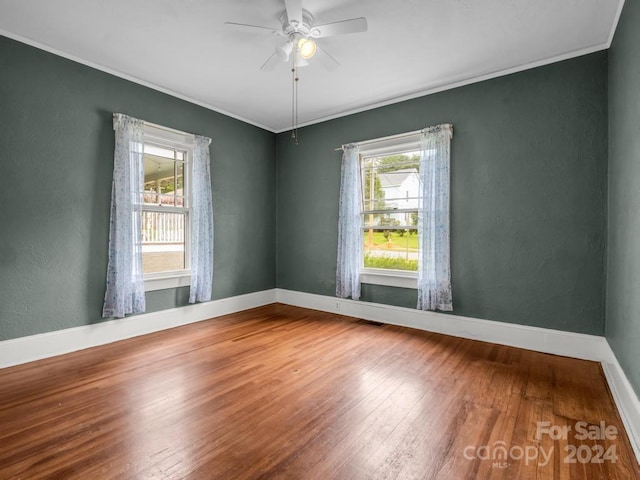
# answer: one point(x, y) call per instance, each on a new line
point(162, 127)
point(393, 137)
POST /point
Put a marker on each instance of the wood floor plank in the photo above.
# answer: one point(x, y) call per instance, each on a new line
point(284, 392)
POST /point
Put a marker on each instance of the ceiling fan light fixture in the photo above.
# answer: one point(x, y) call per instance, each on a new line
point(300, 34)
point(307, 48)
point(283, 51)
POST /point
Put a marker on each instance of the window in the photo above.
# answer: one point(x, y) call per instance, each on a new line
point(160, 203)
point(391, 193)
point(393, 216)
point(166, 215)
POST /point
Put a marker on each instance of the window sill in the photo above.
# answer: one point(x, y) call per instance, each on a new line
point(390, 278)
point(164, 282)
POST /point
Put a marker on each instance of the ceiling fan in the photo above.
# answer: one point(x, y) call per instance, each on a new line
point(300, 33)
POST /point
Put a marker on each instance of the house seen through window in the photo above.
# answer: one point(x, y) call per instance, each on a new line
point(165, 210)
point(390, 201)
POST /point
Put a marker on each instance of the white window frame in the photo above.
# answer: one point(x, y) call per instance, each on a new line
point(173, 139)
point(397, 144)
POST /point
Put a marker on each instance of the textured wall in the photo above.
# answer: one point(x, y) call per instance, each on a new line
point(56, 159)
point(528, 193)
point(623, 273)
point(529, 164)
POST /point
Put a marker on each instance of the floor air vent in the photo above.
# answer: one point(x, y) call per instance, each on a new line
point(371, 322)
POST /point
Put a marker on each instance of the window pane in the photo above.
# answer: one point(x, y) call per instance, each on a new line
point(391, 193)
point(159, 180)
point(391, 182)
point(163, 176)
point(163, 242)
point(395, 249)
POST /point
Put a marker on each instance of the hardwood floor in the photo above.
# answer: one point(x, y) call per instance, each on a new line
point(283, 392)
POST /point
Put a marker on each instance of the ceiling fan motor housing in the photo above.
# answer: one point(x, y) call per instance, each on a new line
point(295, 30)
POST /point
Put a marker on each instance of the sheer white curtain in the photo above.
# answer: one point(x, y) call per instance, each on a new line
point(125, 284)
point(434, 271)
point(201, 223)
point(349, 226)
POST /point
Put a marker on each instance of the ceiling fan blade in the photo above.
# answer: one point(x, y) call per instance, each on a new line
point(342, 27)
point(243, 27)
point(271, 63)
point(294, 10)
point(326, 60)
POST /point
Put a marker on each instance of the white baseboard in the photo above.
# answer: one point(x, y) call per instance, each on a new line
point(625, 398)
point(43, 345)
point(557, 342)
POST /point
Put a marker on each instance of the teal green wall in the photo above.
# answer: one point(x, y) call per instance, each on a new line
point(529, 165)
point(528, 193)
point(623, 272)
point(56, 164)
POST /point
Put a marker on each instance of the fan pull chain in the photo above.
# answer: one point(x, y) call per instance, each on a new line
point(296, 122)
point(293, 103)
point(294, 96)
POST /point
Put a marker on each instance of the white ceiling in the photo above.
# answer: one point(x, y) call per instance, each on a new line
point(412, 47)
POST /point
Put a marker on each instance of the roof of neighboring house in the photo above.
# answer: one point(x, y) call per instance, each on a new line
point(395, 178)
